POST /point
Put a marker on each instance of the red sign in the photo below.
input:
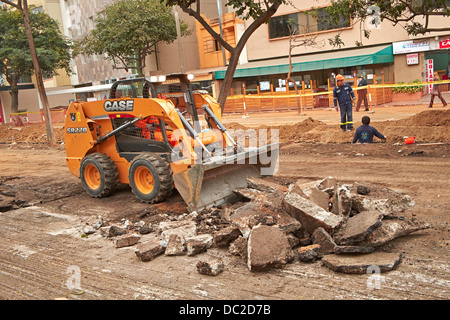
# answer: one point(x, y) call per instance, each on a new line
point(430, 76)
point(444, 44)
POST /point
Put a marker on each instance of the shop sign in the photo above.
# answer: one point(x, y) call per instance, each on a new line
point(430, 76)
point(410, 46)
point(444, 44)
point(412, 58)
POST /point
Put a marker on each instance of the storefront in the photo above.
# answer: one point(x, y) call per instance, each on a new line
point(412, 57)
point(316, 71)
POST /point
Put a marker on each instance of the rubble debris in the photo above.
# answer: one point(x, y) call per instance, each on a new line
point(310, 215)
point(175, 246)
point(150, 249)
point(342, 224)
point(308, 253)
point(391, 229)
point(324, 240)
point(362, 263)
point(198, 244)
point(268, 247)
point(239, 247)
point(254, 213)
point(126, 240)
point(112, 231)
point(342, 200)
point(222, 238)
point(358, 227)
point(210, 266)
point(183, 229)
point(353, 249)
point(360, 189)
point(264, 185)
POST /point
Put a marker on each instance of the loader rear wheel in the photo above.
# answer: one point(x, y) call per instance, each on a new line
point(98, 175)
point(151, 178)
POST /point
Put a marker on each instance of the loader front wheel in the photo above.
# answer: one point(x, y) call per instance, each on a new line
point(98, 175)
point(151, 178)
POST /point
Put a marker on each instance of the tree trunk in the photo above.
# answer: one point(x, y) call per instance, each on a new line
point(236, 52)
point(14, 92)
point(37, 70)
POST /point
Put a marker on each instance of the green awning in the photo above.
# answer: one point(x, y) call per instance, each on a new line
point(318, 61)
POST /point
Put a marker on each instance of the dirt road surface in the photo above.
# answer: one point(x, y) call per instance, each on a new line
point(43, 254)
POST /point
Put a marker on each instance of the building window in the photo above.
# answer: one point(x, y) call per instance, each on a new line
point(309, 21)
point(213, 46)
point(38, 10)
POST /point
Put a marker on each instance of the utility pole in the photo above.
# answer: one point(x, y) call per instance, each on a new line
point(219, 12)
point(180, 42)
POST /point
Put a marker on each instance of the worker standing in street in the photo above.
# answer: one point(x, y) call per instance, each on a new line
point(362, 94)
point(344, 95)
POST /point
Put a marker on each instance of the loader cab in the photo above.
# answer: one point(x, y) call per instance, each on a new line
point(146, 135)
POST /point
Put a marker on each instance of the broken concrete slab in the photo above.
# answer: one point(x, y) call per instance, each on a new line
point(184, 230)
point(308, 253)
point(239, 247)
point(150, 249)
point(126, 240)
point(268, 247)
point(310, 215)
point(342, 200)
point(362, 263)
point(210, 266)
point(198, 244)
point(324, 240)
point(264, 185)
point(391, 229)
point(353, 249)
point(364, 190)
point(175, 246)
point(167, 225)
point(222, 238)
point(254, 213)
point(388, 206)
point(113, 231)
point(358, 227)
point(252, 194)
point(319, 197)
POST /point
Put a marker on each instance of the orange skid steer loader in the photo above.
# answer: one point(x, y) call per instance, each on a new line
point(154, 147)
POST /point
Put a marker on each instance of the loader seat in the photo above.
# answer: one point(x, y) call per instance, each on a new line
point(126, 143)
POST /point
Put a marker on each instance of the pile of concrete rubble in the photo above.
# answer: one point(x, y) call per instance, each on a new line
point(340, 224)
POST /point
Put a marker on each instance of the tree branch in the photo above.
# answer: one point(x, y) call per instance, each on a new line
point(208, 28)
point(18, 5)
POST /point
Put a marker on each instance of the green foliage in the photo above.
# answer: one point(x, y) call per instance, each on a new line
point(408, 88)
point(413, 15)
point(53, 49)
point(128, 30)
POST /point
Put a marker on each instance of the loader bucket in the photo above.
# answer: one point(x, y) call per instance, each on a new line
point(213, 182)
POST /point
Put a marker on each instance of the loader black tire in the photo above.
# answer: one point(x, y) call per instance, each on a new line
point(151, 178)
point(98, 174)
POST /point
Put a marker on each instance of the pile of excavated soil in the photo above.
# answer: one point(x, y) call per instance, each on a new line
point(35, 133)
point(426, 126)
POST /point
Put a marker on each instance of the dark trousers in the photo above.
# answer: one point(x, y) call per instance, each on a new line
point(362, 96)
point(438, 94)
point(346, 117)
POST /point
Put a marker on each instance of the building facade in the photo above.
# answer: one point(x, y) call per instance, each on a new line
point(377, 58)
point(389, 55)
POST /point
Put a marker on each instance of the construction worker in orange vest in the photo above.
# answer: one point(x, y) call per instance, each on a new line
point(344, 95)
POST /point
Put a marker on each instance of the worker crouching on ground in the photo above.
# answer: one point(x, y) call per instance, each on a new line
point(365, 133)
point(344, 95)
